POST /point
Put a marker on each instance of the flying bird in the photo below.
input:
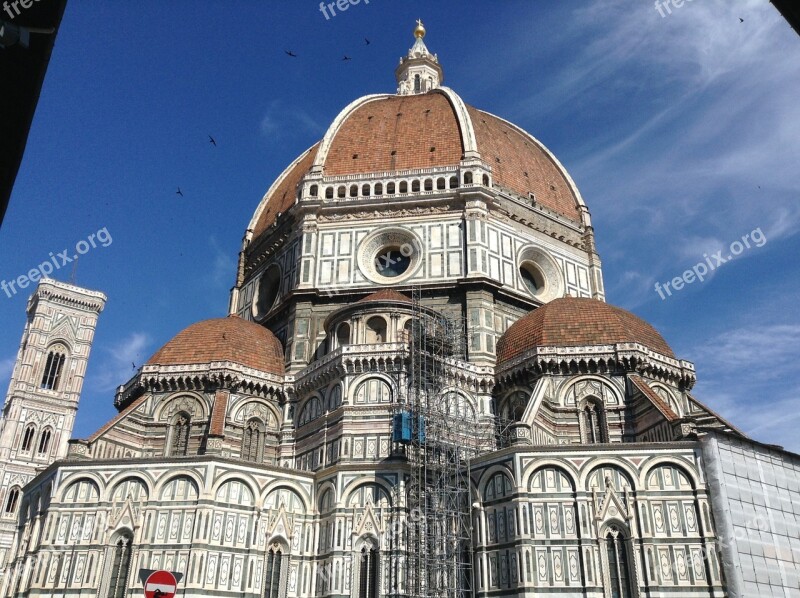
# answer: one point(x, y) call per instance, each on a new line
point(366, 40)
point(346, 57)
point(212, 141)
point(290, 53)
point(741, 20)
point(133, 365)
point(179, 192)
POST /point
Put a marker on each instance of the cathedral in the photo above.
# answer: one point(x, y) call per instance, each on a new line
point(418, 390)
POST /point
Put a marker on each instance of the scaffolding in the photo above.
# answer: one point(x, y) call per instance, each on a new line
point(439, 430)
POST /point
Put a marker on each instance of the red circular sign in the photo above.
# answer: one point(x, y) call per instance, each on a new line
point(160, 584)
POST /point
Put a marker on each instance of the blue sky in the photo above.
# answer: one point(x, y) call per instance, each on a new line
point(682, 132)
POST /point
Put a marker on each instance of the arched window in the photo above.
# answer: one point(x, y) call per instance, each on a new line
point(329, 193)
point(415, 186)
point(272, 583)
point(365, 190)
point(467, 178)
point(403, 187)
point(390, 188)
point(52, 369)
point(27, 438)
point(376, 330)
point(417, 84)
point(379, 189)
point(313, 191)
point(368, 572)
point(593, 421)
point(619, 576)
point(120, 565)
point(44, 441)
point(343, 334)
point(253, 440)
point(12, 501)
point(181, 427)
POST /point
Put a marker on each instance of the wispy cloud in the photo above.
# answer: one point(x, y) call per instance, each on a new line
point(223, 266)
point(116, 361)
point(742, 373)
point(281, 120)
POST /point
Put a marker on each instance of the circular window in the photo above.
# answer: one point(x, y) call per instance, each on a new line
point(392, 262)
point(267, 292)
point(389, 255)
point(532, 278)
point(539, 275)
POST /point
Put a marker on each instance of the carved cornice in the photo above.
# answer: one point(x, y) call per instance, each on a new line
point(214, 375)
point(617, 358)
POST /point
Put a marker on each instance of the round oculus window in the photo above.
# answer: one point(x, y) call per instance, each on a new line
point(268, 287)
point(532, 278)
point(389, 255)
point(392, 262)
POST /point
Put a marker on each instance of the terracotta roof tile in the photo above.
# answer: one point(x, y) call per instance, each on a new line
point(396, 133)
point(285, 195)
point(118, 418)
point(573, 322)
point(521, 165)
point(224, 339)
point(648, 392)
point(218, 412)
point(421, 131)
point(386, 295)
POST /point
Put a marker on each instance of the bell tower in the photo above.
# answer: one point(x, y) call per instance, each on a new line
point(42, 400)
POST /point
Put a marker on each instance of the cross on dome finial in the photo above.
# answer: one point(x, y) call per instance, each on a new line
point(419, 71)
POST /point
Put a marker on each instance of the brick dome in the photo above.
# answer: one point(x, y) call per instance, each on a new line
point(387, 133)
point(574, 322)
point(224, 339)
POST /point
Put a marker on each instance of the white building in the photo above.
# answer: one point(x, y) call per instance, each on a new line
point(259, 454)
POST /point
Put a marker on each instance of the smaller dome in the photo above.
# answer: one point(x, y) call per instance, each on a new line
point(575, 322)
point(386, 295)
point(224, 339)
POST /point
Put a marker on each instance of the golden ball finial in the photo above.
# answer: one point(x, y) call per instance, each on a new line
point(419, 32)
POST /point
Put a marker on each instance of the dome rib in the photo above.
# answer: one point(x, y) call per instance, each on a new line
point(223, 339)
point(282, 194)
point(395, 133)
point(575, 322)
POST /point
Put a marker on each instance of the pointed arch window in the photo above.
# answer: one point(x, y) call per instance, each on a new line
point(44, 441)
point(52, 369)
point(27, 438)
point(368, 572)
point(181, 428)
point(594, 425)
point(12, 501)
point(272, 583)
point(120, 565)
point(253, 440)
point(619, 575)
